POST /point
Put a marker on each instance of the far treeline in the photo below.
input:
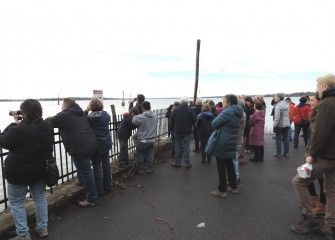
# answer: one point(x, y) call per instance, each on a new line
point(296, 94)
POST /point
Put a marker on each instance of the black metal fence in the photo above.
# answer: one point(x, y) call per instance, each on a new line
point(66, 166)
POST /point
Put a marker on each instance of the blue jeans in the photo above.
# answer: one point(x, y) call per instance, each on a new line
point(17, 196)
point(102, 172)
point(182, 148)
point(235, 161)
point(282, 135)
point(297, 129)
point(144, 150)
point(83, 165)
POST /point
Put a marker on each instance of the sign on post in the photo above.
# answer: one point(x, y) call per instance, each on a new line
point(98, 94)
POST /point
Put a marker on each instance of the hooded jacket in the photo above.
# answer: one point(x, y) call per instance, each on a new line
point(203, 125)
point(257, 122)
point(323, 139)
point(147, 126)
point(99, 121)
point(227, 126)
point(281, 117)
point(75, 130)
point(30, 144)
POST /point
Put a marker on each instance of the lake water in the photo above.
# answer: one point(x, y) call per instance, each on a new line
point(51, 108)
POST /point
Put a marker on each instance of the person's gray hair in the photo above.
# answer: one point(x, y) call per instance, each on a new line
point(280, 96)
point(241, 102)
point(184, 101)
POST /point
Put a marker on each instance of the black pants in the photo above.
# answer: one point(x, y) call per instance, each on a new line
point(223, 165)
point(259, 152)
point(196, 139)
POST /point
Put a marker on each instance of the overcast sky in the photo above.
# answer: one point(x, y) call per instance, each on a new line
point(69, 48)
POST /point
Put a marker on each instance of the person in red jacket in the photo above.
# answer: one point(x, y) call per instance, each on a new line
point(302, 111)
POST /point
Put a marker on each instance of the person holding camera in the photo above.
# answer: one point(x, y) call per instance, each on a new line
point(27, 139)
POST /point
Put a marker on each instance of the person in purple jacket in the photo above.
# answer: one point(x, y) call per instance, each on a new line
point(256, 138)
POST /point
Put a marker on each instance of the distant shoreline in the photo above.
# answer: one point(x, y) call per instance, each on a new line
point(296, 94)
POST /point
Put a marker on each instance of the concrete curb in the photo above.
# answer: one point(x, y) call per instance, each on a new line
point(65, 193)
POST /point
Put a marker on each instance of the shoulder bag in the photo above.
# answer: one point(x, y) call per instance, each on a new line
point(51, 168)
point(213, 142)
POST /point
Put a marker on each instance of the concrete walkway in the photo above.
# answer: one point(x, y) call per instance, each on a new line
point(264, 208)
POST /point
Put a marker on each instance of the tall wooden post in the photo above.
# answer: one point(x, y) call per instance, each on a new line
point(196, 72)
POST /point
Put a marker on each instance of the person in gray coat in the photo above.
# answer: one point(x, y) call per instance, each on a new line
point(146, 136)
point(281, 125)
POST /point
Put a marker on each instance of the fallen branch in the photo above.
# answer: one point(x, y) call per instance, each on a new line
point(147, 202)
point(164, 221)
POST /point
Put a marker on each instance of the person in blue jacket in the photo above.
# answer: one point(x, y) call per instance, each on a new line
point(99, 121)
point(226, 128)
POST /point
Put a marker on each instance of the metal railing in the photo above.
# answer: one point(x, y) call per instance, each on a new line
point(66, 166)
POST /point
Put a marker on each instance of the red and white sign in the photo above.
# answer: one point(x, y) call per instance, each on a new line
point(98, 94)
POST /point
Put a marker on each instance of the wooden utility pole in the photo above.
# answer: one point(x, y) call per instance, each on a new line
point(196, 72)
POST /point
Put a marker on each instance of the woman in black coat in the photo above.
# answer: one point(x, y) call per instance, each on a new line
point(30, 144)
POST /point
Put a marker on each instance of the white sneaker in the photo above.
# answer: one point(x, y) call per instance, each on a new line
point(217, 193)
point(27, 237)
point(42, 232)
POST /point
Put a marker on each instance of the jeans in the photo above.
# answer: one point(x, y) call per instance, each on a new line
point(144, 150)
point(17, 195)
point(235, 161)
point(203, 152)
point(297, 129)
point(321, 167)
point(290, 133)
point(83, 165)
point(183, 148)
point(102, 172)
point(224, 165)
point(282, 135)
point(123, 155)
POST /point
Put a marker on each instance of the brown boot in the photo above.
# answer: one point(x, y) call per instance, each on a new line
point(314, 200)
point(320, 209)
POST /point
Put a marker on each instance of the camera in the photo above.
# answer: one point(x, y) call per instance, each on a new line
point(18, 112)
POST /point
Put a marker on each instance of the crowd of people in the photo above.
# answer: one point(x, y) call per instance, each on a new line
point(226, 131)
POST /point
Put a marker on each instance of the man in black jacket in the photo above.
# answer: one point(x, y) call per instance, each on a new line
point(182, 120)
point(80, 142)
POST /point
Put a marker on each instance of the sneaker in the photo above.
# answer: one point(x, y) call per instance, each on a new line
point(187, 166)
point(27, 237)
point(295, 146)
point(176, 165)
point(307, 224)
point(285, 155)
point(238, 182)
point(276, 155)
point(217, 193)
point(248, 151)
point(233, 190)
point(328, 232)
point(149, 171)
point(41, 232)
point(241, 161)
point(86, 203)
point(139, 172)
